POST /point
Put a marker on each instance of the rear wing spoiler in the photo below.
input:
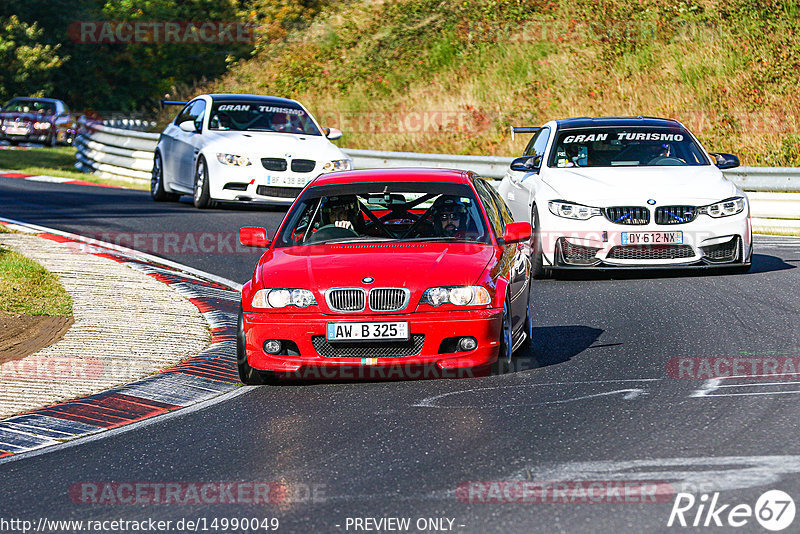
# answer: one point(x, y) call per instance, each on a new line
point(523, 129)
point(172, 103)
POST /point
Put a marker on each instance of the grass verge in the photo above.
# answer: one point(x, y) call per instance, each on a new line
point(28, 288)
point(59, 161)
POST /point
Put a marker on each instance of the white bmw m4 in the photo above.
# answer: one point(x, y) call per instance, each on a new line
point(627, 192)
point(242, 148)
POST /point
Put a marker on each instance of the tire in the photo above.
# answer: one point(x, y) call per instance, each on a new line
point(50, 142)
point(502, 365)
point(528, 324)
point(157, 191)
point(248, 375)
point(537, 258)
point(202, 196)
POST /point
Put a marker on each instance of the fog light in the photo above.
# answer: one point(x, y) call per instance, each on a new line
point(467, 343)
point(272, 346)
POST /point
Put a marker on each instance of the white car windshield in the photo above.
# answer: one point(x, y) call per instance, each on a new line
point(625, 147)
point(31, 106)
point(263, 116)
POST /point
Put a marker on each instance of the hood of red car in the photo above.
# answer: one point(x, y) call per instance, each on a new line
point(416, 266)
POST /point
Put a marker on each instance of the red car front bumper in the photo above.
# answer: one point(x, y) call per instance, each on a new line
point(372, 359)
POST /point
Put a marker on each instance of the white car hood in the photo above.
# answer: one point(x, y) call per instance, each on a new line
point(666, 185)
point(274, 144)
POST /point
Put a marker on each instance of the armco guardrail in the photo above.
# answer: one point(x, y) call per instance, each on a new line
point(128, 155)
point(488, 166)
point(111, 152)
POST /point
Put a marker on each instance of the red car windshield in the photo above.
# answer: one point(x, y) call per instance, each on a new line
point(385, 211)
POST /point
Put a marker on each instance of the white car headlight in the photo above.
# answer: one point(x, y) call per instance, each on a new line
point(458, 295)
point(41, 125)
point(233, 159)
point(570, 210)
point(338, 165)
point(725, 208)
point(280, 298)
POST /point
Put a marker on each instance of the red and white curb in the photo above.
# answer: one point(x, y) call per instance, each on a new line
point(198, 379)
point(52, 179)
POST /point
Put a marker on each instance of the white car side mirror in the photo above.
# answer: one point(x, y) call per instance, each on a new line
point(187, 126)
point(333, 133)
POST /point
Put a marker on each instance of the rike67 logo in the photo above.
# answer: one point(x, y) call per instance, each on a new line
point(774, 510)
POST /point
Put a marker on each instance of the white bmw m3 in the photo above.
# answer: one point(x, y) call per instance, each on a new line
point(627, 192)
point(242, 148)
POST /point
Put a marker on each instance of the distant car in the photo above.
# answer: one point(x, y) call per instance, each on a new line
point(392, 269)
point(36, 120)
point(242, 148)
point(611, 192)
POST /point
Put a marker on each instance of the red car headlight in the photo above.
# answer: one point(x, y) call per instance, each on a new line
point(458, 295)
point(282, 297)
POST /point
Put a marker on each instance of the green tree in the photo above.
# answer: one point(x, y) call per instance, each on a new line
point(122, 76)
point(26, 64)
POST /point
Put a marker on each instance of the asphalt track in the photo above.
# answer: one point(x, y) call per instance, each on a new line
point(595, 399)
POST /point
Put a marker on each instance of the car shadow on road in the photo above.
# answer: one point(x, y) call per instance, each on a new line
point(761, 263)
point(764, 263)
point(555, 344)
point(237, 206)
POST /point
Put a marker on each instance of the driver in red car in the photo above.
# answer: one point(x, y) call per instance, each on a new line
point(450, 216)
point(343, 212)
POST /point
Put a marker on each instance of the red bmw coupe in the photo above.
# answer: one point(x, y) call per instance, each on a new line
point(387, 273)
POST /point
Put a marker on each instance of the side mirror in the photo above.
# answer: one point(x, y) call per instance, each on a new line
point(516, 232)
point(333, 133)
point(253, 236)
point(725, 161)
point(188, 126)
point(527, 164)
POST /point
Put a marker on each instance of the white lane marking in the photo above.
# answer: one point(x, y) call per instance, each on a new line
point(432, 402)
point(692, 475)
point(103, 433)
point(50, 179)
point(757, 393)
point(707, 388)
point(700, 474)
point(711, 386)
point(135, 254)
point(760, 384)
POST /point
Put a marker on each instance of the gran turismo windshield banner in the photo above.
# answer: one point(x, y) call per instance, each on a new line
point(625, 147)
point(261, 116)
